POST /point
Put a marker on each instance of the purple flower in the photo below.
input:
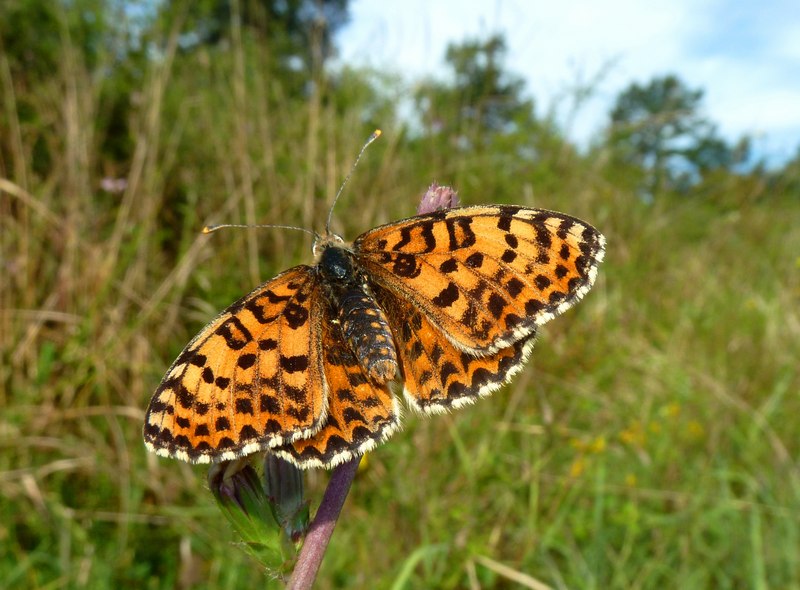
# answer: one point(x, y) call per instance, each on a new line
point(437, 198)
point(114, 185)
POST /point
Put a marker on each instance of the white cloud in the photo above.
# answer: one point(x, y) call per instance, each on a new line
point(745, 56)
point(786, 42)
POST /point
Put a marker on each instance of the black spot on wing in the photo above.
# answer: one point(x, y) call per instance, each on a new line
point(246, 361)
point(234, 333)
point(534, 306)
point(293, 364)
point(157, 406)
point(296, 315)
point(247, 433)
point(474, 260)
point(496, 305)
point(405, 238)
point(543, 238)
point(353, 415)
point(564, 227)
point(300, 413)
point(448, 266)
point(447, 296)
point(182, 441)
point(514, 287)
point(256, 307)
point(184, 396)
point(541, 282)
point(426, 231)
point(405, 265)
point(197, 359)
point(244, 405)
point(269, 403)
point(459, 231)
point(296, 394)
point(268, 344)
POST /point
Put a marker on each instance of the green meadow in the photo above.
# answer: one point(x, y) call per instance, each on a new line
point(652, 441)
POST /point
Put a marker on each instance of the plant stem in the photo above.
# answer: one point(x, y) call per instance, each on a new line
point(320, 531)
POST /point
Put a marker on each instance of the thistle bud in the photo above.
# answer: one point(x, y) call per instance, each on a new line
point(437, 198)
point(258, 515)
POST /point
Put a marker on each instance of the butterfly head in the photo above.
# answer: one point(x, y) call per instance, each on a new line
point(324, 242)
point(336, 264)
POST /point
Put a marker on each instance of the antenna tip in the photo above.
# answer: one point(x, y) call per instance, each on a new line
point(209, 228)
point(377, 133)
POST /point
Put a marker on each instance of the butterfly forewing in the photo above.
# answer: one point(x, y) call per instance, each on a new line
point(252, 379)
point(486, 276)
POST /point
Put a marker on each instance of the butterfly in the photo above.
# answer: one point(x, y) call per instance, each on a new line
point(447, 302)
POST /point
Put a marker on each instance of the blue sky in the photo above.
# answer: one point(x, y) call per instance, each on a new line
point(744, 54)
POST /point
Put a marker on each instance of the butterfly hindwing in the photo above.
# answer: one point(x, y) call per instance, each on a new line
point(437, 376)
point(250, 380)
point(361, 413)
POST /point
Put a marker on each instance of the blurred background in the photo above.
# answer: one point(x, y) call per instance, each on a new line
point(652, 440)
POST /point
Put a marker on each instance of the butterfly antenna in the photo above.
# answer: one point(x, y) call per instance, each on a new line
point(375, 135)
point(212, 228)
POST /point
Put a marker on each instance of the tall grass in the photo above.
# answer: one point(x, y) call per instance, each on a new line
point(652, 441)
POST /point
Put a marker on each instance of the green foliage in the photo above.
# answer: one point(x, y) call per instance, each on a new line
point(482, 99)
point(481, 131)
point(659, 128)
point(489, 98)
point(299, 33)
point(51, 51)
point(651, 442)
point(33, 32)
point(786, 181)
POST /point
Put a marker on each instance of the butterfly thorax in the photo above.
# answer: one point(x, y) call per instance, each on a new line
point(362, 322)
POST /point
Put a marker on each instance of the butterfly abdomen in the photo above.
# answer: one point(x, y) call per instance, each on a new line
point(362, 322)
point(366, 329)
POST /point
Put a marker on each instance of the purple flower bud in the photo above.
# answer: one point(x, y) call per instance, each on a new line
point(114, 185)
point(240, 495)
point(437, 198)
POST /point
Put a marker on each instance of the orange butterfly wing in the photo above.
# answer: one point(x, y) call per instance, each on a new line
point(361, 413)
point(463, 290)
point(250, 380)
point(438, 376)
point(485, 276)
